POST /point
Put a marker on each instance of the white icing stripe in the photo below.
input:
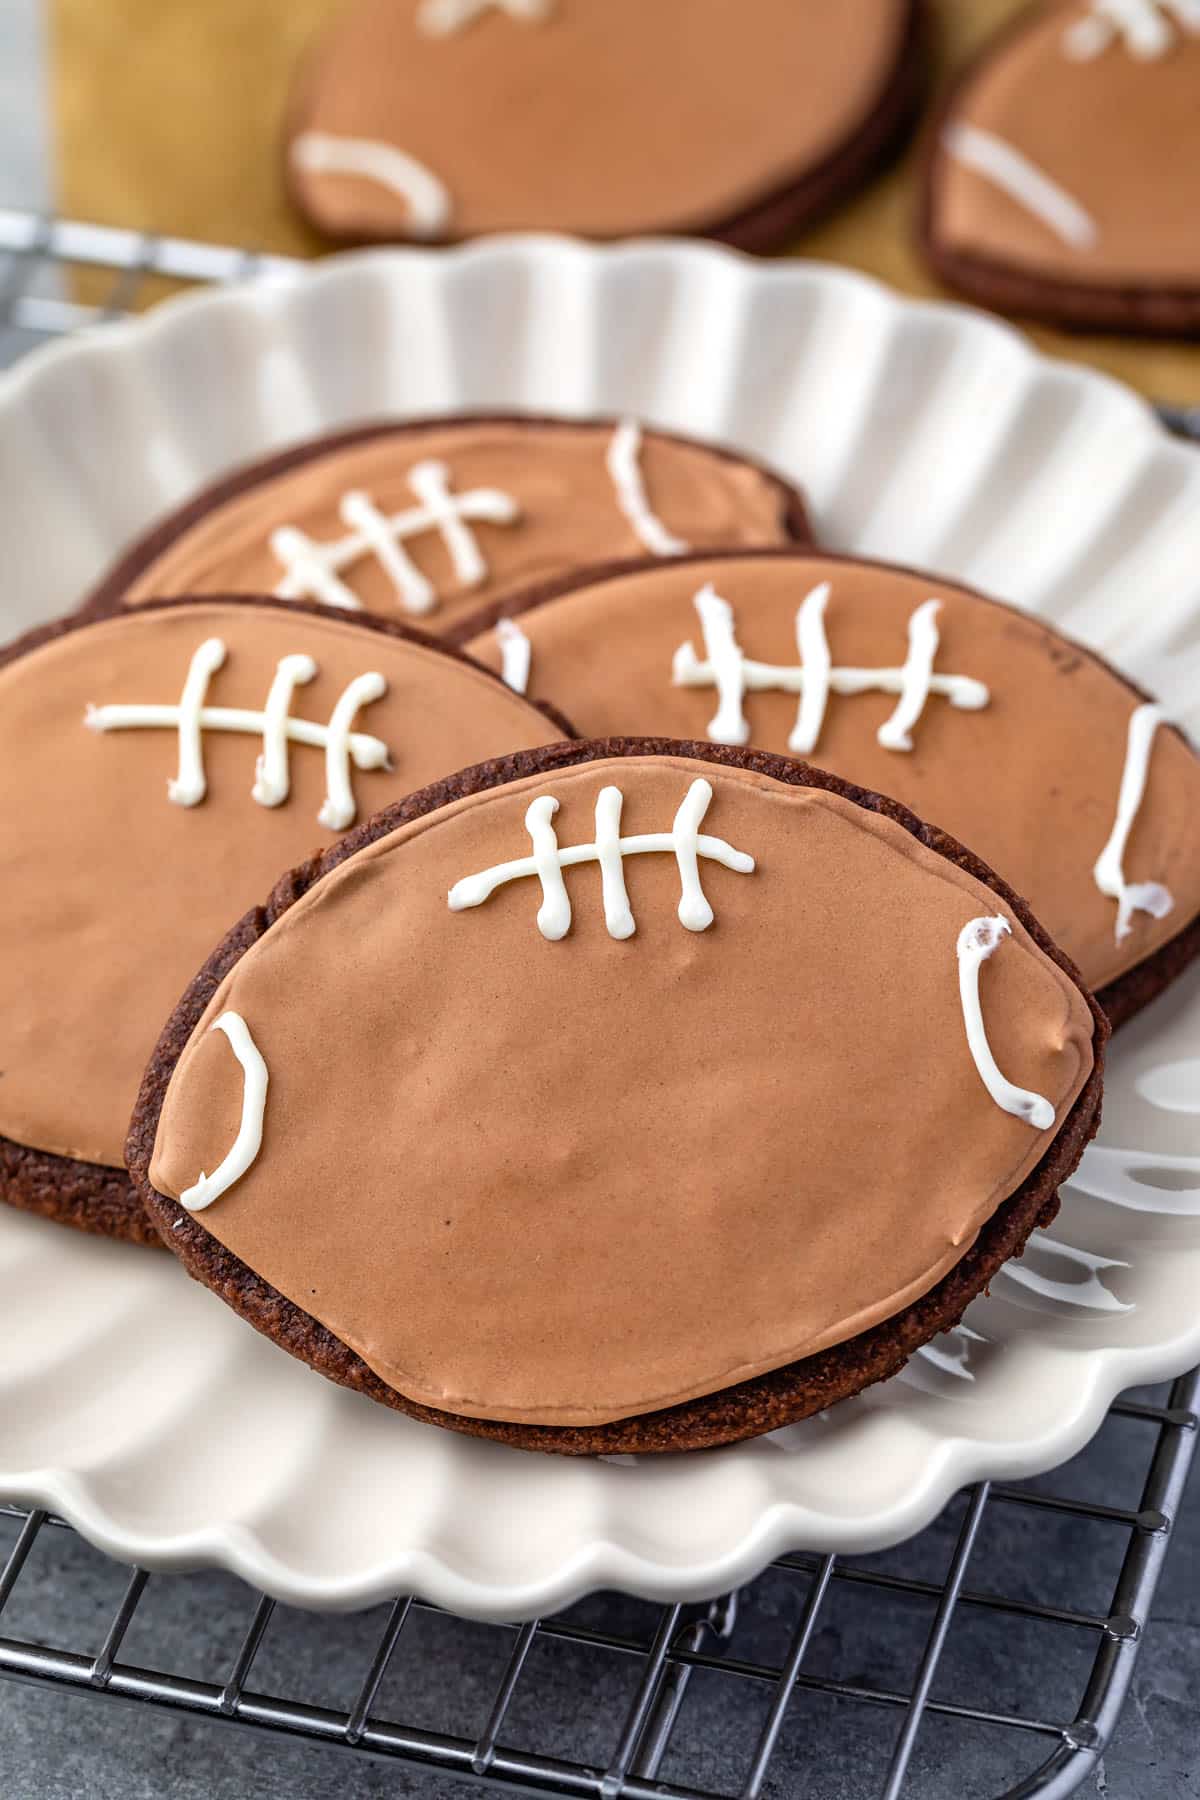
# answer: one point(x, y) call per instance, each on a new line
point(272, 776)
point(725, 666)
point(1139, 896)
point(976, 942)
point(895, 733)
point(337, 808)
point(191, 719)
point(625, 469)
point(442, 18)
point(516, 655)
point(617, 914)
point(816, 671)
point(994, 160)
point(248, 1142)
point(684, 842)
point(313, 570)
point(189, 787)
point(1143, 26)
point(427, 198)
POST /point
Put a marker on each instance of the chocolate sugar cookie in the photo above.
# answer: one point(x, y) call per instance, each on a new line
point(628, 1095)
point(157, 770)
point(426, 521)
point(445, 119)
point(1062, 181)
point(1024, 745)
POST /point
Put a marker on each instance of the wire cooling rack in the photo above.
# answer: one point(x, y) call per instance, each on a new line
point(995, 1649)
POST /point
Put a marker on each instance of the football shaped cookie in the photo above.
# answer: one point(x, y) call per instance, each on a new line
point(427, 521)
point(445, 119)
point(631, 1095)
point(157, 770)
point(1024, 745)
point(1063, 180)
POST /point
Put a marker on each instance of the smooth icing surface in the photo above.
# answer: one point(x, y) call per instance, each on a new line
point(1030, 781)
point(568, 1181)
point(607, 117)
point(545, 502)
point(1114, 135)
point(113, 896)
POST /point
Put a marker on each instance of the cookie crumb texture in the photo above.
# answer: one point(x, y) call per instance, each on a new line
point(621, 1096)
point(603, 118)
point(1061, 181)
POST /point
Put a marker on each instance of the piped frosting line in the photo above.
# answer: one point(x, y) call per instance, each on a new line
point(726, 667)
point(685, 842)
point(427, 198)
point(313, 569)
point(248, 1142)
point(625, 468)
point(443, 18)
point(516, 655)
point(977, 941)
point(1144, 27)
point(1007, 168)
point(1137, 896)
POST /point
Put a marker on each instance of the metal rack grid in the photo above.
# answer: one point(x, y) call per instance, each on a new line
point(653, 1698)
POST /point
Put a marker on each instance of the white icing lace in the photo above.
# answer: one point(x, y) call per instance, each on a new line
point(1146, 28)
point(191, 718)
point(684, 842)
point(312, 570)
point(814, 678)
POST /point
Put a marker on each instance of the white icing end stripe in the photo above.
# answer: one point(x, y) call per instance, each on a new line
point(1138, 896)
point(625, 469)
point(1144, 26)
point(248, 1142)
point(684, 842)
point(1006, 168)
point(977, 941)
point(428, 201)
point(516, 655)
point(442, 18)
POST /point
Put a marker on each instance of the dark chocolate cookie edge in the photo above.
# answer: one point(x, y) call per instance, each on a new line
point(745, 1410)
point(94, 1196)
point(1120, 998)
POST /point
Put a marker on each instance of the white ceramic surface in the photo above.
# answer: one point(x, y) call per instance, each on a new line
point(163, 1427)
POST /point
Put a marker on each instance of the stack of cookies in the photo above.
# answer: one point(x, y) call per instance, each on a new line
point(555, 949)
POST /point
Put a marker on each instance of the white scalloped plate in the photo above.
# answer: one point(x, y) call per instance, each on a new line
point(137, 1405)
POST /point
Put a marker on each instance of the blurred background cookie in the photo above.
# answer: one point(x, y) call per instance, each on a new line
point(445, 119)
point(1065, 176)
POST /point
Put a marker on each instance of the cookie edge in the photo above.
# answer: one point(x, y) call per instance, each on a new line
point(747, 1409)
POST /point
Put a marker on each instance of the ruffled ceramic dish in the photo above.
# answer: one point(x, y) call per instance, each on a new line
point(163, 1427)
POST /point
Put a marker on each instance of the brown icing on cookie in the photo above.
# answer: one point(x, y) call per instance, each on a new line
point(1030, 778)
point(541, 498)
point(1061, 181)
point(114, 892)
point(544, 1157)
point(604, 118)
